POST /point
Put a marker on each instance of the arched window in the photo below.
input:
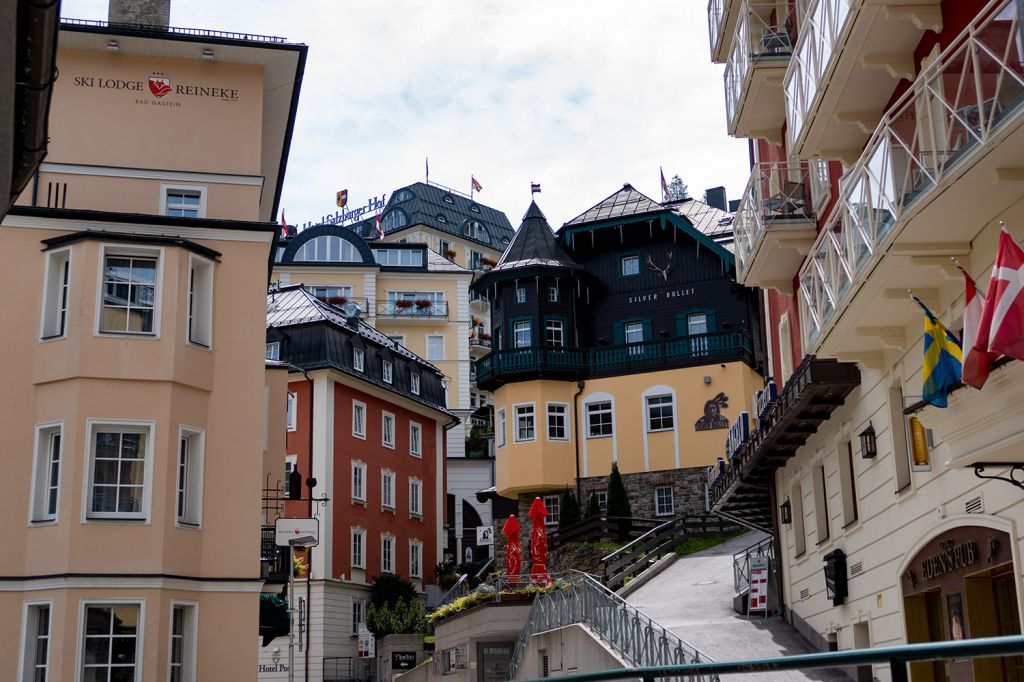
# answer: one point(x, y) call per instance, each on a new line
point(474, 229)
point(474, 208)
point(448, 199)
point(441, 218)
point(328, 248)
point(394, 220)
point(402, 195)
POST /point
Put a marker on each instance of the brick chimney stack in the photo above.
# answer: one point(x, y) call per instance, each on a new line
point(140, 12)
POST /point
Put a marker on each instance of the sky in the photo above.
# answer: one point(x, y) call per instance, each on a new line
point(580, 96)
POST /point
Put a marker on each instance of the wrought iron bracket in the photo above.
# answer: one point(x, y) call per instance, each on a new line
point(1014, 477)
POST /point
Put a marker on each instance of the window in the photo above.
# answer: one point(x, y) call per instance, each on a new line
point(634, 332)
point(552, 503)
point(525, 423)
point(406, 258)
point(414, 383)
point(273, 351)
point(55, 294)
point(474, 259)
point(664, 504)
point(415, 559)
point(117, 473)
point(46, 473)
point(415, 439)
point(630, 266)
point(388, 370)
point(435, 347)
point(441, 219)
point(291, 405)
point(36, 657)
point(820, 503)
point(520, 294)
point(200, 301)
point(498, 340)
point(553, 294)
point(847, 482)
point(474, 208)
point(599, 419)
point(500, 433)
point(697, 326)
point(558, 421)
point(290, 462)
point(659, 413)
point(415, 497)
point(521, 334)
point(358, 359)
point(900, 449)
point(387, 489)
point(387, 553)
point(474, 229)
point(358, 419)
point(393, 221)
point(358, 549)
point(799, 533)
point(602, 501)
point(129, 295)
point(785, 349)
point(184, 202)
point(330, 249)
point(110, 646)
point(444, 247)
point(359, 481)
point(331, 292)
point(387, 435)
point(402, 195)
point(554, 333)
point(189, 481)
point(357, 615)
point(448, 199)
point(183, 637)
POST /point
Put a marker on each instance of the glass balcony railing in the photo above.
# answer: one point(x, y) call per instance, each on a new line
point(820, 29)
point(778, 192)
point(762, 36)
point(716, 14)
point(953, 109)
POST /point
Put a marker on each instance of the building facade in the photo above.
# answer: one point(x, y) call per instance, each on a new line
point(134, 413)
point(367, 420)
point(883, 161)
point(622, 339)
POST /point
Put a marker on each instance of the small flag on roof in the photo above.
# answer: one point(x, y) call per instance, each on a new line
point(379, 225)
point(534, 187)
point(476, 185)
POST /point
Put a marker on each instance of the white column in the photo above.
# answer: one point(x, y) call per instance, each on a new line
point(323, 471)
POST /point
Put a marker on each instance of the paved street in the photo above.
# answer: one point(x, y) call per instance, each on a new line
point(693, 598)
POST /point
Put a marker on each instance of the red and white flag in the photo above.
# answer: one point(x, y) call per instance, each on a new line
point(284, 225)
point(976, 359)
point(476, 185)
point(664, 185)
point(380, 226)
point(1001, 329)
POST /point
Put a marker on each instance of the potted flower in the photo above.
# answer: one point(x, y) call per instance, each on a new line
point(449, 254)
point(337, 300)
point(488, 261)
point(403, 305)
point(423, 305)
point(484, 336)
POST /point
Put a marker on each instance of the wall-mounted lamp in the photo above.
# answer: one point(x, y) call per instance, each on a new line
point(113, 46)
point(868, 445)
point(836, 580)
point(207, 54)
point(786, 512)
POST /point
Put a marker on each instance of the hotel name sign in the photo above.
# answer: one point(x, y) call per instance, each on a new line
point(659, 296)
point(164, 90)
point(952, 557)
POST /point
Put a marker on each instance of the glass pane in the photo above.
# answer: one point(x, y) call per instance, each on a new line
point(118, 269)
point(114, 319)
point(131, 446)
point(143, 271)
point(105, 471)
point(132, 472)
point(142, 295)
point(107, 444)
point(97, 649)
point(140, 321)
point(104, 498)
point(123, 650)
point(126, 620)
point(125, 674)
point(94, 674)
point(130, 499)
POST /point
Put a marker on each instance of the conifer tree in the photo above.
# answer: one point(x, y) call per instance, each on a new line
point(569, 509)
point(593, 506)
point(618, 500)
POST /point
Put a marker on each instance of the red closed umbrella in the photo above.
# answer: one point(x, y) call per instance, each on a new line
point(539, 542)
point(513, 548)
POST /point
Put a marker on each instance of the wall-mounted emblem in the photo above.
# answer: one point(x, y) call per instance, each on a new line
point(159, 84)
point(342, 198)
point(713, 418)
point(664, 272)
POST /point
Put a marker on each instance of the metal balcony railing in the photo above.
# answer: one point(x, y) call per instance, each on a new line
point(414, 309)
point(778, 191)
point(716, 13)
point(177, 30)
point(949, 115)
point(477, 342)
point(273, 559)
point(762, 35)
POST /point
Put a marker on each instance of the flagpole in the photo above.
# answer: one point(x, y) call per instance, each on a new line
point(471, 188)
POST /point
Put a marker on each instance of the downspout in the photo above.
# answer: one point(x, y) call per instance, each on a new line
point(576, 436)
point(309, 576)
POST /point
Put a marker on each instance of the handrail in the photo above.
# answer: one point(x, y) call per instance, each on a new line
point(448, 595)
point(741, 562)
point(896, 656)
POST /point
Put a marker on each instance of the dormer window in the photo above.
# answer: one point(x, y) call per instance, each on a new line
point(474, 229)
point(441, 218)
point(402, 195)
point(474, 208)
point(448, 199)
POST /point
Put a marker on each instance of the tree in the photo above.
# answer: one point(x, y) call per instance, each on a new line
point(404, 617)
point(677, 190)
point(389, 588)
point(568, 509)
point(618, 501)
point(593, 506)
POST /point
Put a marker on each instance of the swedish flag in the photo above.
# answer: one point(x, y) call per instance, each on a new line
point(943, 359)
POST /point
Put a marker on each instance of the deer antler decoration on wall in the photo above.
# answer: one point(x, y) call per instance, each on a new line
point(664, 272)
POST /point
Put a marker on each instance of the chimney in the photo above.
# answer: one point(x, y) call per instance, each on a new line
point(716, 197)
point(140, 12)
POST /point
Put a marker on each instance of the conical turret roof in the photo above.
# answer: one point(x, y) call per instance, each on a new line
point(534, 245)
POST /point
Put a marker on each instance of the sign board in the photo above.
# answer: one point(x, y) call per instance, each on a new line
point(287, 530)
point(484, 535)
point(758, 596)
point(738, 434)
point(403, 660)
point(367, 643)
point(764, 399)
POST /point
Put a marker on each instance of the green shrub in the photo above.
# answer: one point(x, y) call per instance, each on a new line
point(569, 509)
point(618, 500)
point(403, 617)
point(593, 506)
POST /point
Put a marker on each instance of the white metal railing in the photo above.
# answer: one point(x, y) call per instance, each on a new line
point(761, 33)
point(821, 27)
point(716, 13)
point(954, 108)
point(777, 190)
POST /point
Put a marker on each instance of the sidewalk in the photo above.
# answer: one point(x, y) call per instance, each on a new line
point(693, 599)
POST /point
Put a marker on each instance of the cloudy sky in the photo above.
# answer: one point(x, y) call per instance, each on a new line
point(579, 95)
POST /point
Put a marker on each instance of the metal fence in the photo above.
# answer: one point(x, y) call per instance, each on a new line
point(741, 563)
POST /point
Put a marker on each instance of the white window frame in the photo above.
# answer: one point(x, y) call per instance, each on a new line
point(520, 294)
point(522, 326)
point(290, 462)
point(415, 439)
point(358, 493)
point(553, 293)
point(500, 429)
point(387, 553)
point(192, 515)
point(199, 302)
point(385, 419)
point(95, 426)
point(140, 644)
point(387, 489)
point(631, 328)
point(43, 484)
point(53, 323)
point(292, 409)
point(387, 371)
point(414, 383)
point(128, 251)
point(796, 499)
point(648, 419)
point(531, 414)
point(602, 501)
point(358, 360)
point(590, 413)
point(432, 356)
point(549, 326)
point(553, 503)
point(273, 352)
point(357, 560)
point(30, 639)
point(415, 559)
point(785, 349)
point(359, 425)
point(415, 496)
point(166, 188)
point(658, 510)
point(358, 614)
point(189, 640)
point(622, 266)
point(565, 420)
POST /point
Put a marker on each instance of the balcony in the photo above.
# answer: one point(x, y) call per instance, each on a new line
point(776, 222)
point(721, 25)
point(895, 225)
point(413, 310)
point(273, 559)
point(849, 57)
point(479, 346)
point(757, 63)
point(549, 362)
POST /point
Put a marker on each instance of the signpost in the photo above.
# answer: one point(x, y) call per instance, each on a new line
point(758, 595)
point(292, 533)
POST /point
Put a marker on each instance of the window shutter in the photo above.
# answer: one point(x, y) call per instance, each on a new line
point(682, 323)
point(711, 321)
point(619, 333)
point(648, 329)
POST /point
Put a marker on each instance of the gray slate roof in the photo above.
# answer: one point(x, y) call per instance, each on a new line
point(624, 203)
point(534, 244)
point(428, 202)
point(713, 222)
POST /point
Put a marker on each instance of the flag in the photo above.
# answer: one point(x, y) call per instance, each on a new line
point(380, 227)
point(476, 185)
point(284, 225)
point(534, 187)
point(341, 198)
point(977, 359)
point(664, 185)
point(943, 358)
point(1001, 329)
